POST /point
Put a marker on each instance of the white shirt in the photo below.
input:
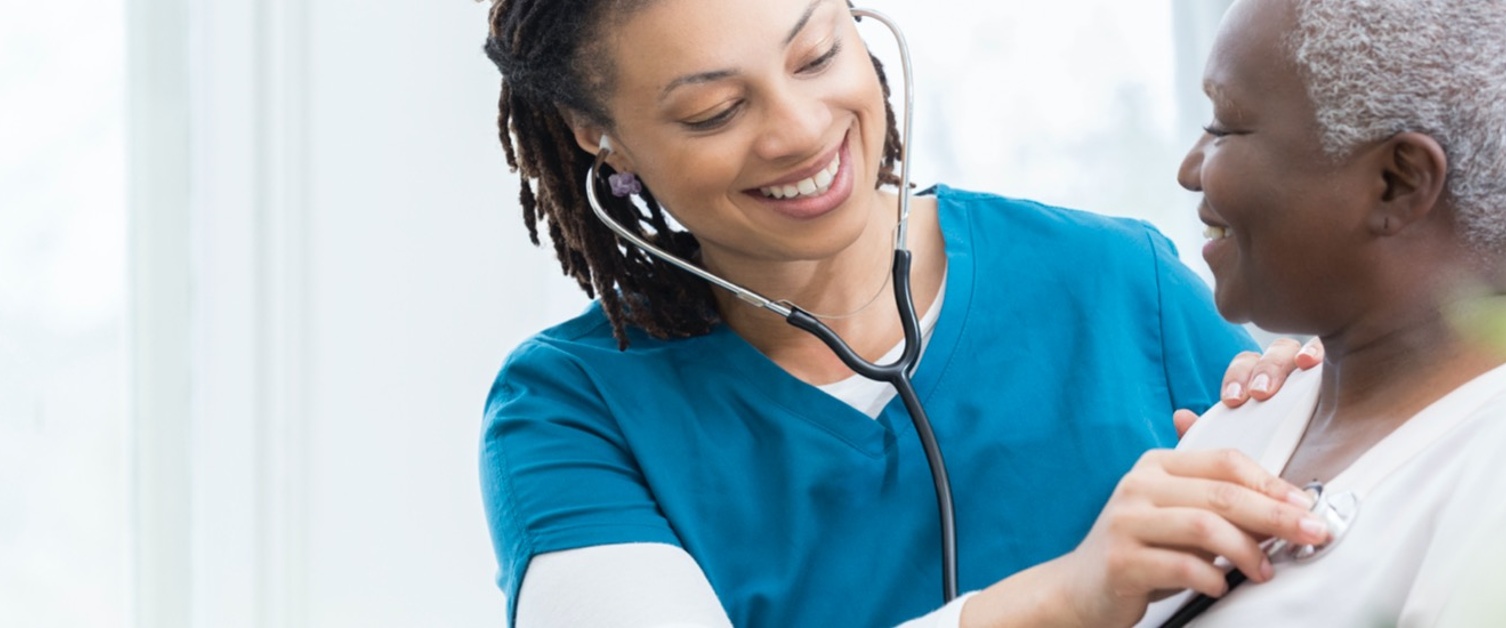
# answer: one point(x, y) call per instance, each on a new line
point(1431, 493)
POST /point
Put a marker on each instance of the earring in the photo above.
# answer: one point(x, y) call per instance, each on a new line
point(625, 184)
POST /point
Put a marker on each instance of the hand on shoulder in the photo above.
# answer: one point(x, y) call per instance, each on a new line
point(1258, 376)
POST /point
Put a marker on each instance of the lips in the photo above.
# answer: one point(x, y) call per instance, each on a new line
point(1211, 232)
point(811, 186)
point(813, 190)
point(1215, 229)
point(1217, 234)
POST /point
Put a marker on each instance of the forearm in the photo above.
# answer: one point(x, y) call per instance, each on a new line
point(1031, 598)
point(639, 585)
point(653, 586)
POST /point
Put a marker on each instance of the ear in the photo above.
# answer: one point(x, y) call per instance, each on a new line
point(1414, 169)
point(589, 136)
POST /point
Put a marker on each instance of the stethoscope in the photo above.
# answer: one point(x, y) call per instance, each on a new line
point(896, 373)
point(1338, 510)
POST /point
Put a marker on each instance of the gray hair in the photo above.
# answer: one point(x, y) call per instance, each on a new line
point(1375, 68)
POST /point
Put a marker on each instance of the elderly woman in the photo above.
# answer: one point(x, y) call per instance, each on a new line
point(1354, 187)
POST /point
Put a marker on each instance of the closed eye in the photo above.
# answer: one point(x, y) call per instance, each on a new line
point(1217, 131)
point(820, 63)
point(717, 121)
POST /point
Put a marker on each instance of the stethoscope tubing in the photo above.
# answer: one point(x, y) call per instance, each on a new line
point(897, 373)
point(1202, 602)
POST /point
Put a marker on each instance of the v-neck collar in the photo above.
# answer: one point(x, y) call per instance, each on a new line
point(873, 437)
point(1393, 451)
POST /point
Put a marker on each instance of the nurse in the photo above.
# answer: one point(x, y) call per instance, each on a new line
point(674, 457)
point(1354, 176)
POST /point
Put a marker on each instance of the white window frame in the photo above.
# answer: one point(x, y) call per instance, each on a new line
point(157, 252)
point(217, 149)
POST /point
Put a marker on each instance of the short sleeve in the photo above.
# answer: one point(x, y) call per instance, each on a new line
point(1197, 343)
point(556, 472)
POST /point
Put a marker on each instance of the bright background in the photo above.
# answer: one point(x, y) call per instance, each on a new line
point(259, 262)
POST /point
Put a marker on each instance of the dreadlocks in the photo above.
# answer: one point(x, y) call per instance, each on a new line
point(549, 67)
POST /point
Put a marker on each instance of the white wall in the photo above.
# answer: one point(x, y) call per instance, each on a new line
point(420, 279)
point(358, 272)
point(63, 491)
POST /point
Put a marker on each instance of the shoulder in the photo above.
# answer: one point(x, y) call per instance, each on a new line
point(1055, 248)
point(989, 208)
point(1479, 443)
point(577, 361)
point(556, 352)
point(585, 338)
point(1252, 426)
point(1469, 593)
point(1460, 484)
point(1027, 225)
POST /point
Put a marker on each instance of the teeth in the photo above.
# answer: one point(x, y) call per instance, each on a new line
point(1217, 233)
point(812, 186)
point(824, 178)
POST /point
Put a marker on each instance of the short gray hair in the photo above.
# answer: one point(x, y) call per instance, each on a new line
point(1375, 68)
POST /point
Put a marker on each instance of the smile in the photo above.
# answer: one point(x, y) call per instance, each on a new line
point(808, 187)
point(1213, 233)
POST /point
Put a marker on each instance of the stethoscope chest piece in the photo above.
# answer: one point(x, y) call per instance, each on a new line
point(1338, 510)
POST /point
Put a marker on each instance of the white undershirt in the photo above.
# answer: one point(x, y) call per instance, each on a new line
point(871, 396)
point(653, 585)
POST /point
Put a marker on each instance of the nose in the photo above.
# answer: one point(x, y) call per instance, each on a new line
point(1190, 174)
point(794, 124)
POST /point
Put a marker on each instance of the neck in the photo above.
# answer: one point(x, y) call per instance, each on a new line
point(1373, 384)
point(1395, 372)
point(1400, 347)
point(851, 290)
point(1385, 368)
point(1411, 347)
point(1376, 378)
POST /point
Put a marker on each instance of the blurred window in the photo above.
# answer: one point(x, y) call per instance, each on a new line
point(64, 489)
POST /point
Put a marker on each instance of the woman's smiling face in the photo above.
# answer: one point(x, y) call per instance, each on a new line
point(758, 125)
point(1286, 222)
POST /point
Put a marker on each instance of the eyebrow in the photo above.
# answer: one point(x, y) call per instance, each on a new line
point(695, 79)
point(805, 18)
point(717, 75)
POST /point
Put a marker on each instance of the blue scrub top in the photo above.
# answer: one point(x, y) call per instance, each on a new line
point(1066, 341)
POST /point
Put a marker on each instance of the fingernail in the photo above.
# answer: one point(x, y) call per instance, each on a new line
point(1313, 526)
point(1261, 383)
point(1309, 350)
point(1300, 499)
point(1233, 390)
point(1267, 571)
